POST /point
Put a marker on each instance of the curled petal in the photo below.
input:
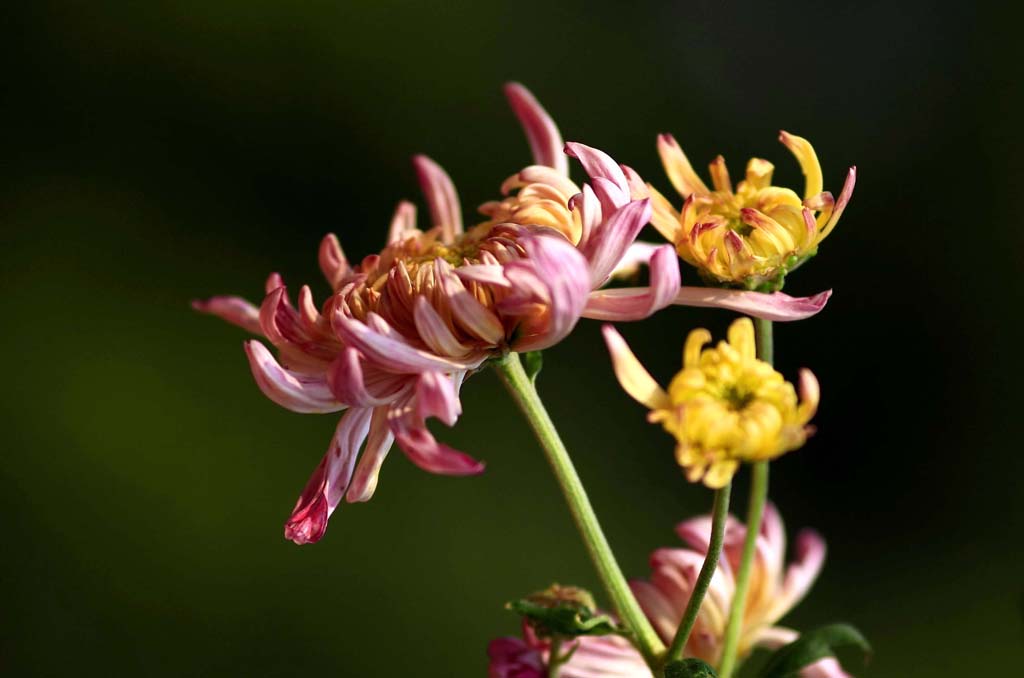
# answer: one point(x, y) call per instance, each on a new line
point(436, 397)
point(608, 243)
point(329, 481)
point(599, 164)
point(541, 131)
point(774, 306)
point(403, 221)
point(638, 254)
point(292, 390)
point(808, 159)
point(333, 263)
point(378, 444)
point(423, 450)
point(442, 200)
point(470, 314)
point(841, 202)
point(350, 384)
point(485, 274)
point(635, 380)
point(435, 332)
point(800, 575)
point(637, 303)
point(235, 310)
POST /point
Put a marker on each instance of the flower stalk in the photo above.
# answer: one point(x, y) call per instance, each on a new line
point(719, 516)
point(755, 511)
point(520, 386)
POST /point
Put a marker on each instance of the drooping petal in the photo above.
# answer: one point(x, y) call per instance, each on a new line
point(436, 397)
point(600, 165)
point(841, 202)
point(422, 449)
point(442, 199)
point(608, 243)
point(378, 444)
point(677, 166)
point(637, 254)
point(775, 306)
point(329, 481)
point(235, 310)
point(294, 391)
point(637, 303)
point(403, 221)
point(635, 380)
point(541, 131)
point(350, 384)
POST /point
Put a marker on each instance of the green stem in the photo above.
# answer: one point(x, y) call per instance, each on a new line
point(755, 511)
point(719, 514)
point(525, 394)
point(555, 659)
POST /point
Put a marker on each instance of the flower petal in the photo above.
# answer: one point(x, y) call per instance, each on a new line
point(333, 263)
point(541, 131)
point(637, 303)
point(348, 381)
point(680, 171)
point(403, 221)
point(327, 485)
point(378, 444)
point(801, 573)
point(808, 159)
point(442, 200)
point(599, 164)
point(841, 202)
point(635, 380)
point(638, 254)
point(774, 306)
point(235, 310)
point(292, 390)
point(609, 241)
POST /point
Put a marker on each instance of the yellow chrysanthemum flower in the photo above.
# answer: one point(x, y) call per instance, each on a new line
point(725, 406)
point(753, 235)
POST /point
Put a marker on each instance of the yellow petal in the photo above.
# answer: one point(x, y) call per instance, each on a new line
point(664, 217)
point(741, 338)
point(635, 380)
point(720, 473)
point(809, 165)
point(720, 175)
point(680, 171)
point(694, 343)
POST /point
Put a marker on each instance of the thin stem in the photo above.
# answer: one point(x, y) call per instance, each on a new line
point(719, 514)
point(555, 659)
point(755, 511)
point(525, 395)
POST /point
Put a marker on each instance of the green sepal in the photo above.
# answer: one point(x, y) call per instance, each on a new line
point(534, 361)
point(689, 668)
point(820, 643)
point(564, 612)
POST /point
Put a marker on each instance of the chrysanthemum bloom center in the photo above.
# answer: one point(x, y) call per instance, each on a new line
point(726, 406)
point(752, 234)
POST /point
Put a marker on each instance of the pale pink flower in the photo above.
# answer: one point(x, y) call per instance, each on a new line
point(774, 588)
point(593, 657)
point(405, 327)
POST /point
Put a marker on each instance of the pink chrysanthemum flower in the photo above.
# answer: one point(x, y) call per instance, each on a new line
point(592, 657)
point(404, 328)
point(774, 588)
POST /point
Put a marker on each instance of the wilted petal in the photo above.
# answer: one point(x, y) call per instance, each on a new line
point(635, 380)
point(292, 390)
point(541, 131)
point(442, 200)
point(235, 310)
point(327, 485)
point(774, 306)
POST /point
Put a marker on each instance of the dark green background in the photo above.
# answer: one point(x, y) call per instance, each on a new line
point(157, 152)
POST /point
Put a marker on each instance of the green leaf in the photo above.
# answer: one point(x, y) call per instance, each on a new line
point(534, 362)
point(689, 668)
point(822, 642)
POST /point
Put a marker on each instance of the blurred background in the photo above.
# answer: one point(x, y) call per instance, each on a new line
point(163, 151)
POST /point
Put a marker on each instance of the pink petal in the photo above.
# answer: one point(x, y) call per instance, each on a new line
point(824, 668)
point(541, 131)
point(599, 164)
point(422, 449)
point(513, 658)
point(774, 306)
point(436, 397)
point(333, 263)
point(434, 331)
point(842, 201)
point(637, 254)
point(292, 390)
point(442, 200)
point(485, 274)
point(609, 242)
point(800, 575)
point(638, 303)
point(235, 310)
point(347, 380)
point(403, 221)
point(327, 485)
point(470, 314)
point(390, 352)
point(378, 444)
